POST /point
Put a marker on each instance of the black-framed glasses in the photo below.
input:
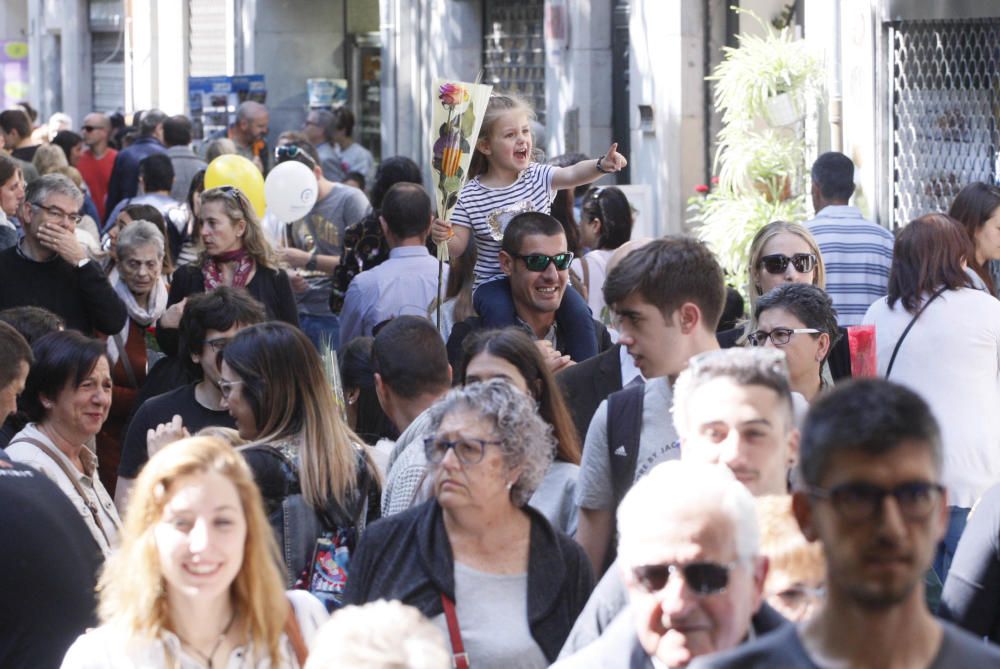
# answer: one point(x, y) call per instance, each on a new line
point(292, 152)
point(777, 263)
point(57, 213)
point(218, 344)
point(704, 578)
point(537, 262)
point(856, 502)
point(778, 336)
point(468, 451)
point(226, 387)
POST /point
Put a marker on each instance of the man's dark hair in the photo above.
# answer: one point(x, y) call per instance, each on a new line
point(345, 120)
point(808, 303)
point(407, 210)
point(14, 350)
point(32, 322)
point(177, 131)
point(393, 170)
point(219, 310)
point(15, 119)
point(407, 373)
point(67, 140)
point(668, 272)
point(356, 177)
point(61, 358)
point(529, 223)
point(834, 173)
point(869, 416)
point(307, 155)
point(149, 121)
point(157, 173)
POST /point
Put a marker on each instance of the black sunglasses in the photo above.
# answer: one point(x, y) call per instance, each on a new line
point(537, 262)
point(92, 128)
point(704, 578)
point(292, 152)
point(857, 502)
point(777, 263)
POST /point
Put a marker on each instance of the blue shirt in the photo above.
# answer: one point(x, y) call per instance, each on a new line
point(857, 255)
point(405, 284)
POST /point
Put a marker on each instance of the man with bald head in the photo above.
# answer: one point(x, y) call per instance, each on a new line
point(249, 133)
point(97, 159)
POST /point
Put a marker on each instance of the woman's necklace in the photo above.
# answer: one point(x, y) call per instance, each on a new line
point(207, 659)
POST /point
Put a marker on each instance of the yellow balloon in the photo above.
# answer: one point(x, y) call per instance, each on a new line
point(235, 170)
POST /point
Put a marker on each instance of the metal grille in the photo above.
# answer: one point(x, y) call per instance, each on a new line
point(514, 50)
point(945, 111)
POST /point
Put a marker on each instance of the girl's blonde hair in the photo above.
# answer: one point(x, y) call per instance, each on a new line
point(286, 388)
point(760, 240)
point(499, 104)
point(48, 158)
point(132, 587)
point(238, 208)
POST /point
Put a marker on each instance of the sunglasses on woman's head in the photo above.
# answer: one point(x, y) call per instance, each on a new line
point(777, 263)
point(538, 262)
point(291, 152)
point(704, 578)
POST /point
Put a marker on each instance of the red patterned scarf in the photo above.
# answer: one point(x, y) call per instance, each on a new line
point(212, 270)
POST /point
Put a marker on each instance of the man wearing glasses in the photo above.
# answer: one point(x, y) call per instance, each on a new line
point(49, 268)
point(689, 555)
point(870, 493)
point(97, 161)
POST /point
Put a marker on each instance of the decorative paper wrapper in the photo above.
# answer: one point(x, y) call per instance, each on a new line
point(861, 339)
point(458, 111)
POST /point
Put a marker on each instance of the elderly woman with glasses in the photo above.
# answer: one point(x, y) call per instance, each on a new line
point(236, 254)
point(486, 568)
point(799, 319)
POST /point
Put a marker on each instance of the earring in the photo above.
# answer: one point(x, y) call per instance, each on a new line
point(510, 484)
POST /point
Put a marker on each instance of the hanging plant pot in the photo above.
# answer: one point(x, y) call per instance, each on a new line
point(781, 110)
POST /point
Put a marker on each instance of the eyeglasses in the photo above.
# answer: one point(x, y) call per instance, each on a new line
point(537, 262)
point(58, 214)
point(857, 502)
point(226, 387)
point(704, 578)
point(291, 152)
point(779, 336)
point(217, 344)
point(777, 263)
point(800, 597)
point(468, 451)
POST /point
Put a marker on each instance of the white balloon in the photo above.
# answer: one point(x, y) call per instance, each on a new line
point(291, 191)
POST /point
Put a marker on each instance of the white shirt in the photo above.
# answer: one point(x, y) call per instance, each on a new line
point(597, 265)
point(110, 647)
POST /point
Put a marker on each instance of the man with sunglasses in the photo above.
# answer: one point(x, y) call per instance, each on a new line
point(535, 257)
point(312, 243)
point(49, 268)
point(689, 556)
point(870, 493)
point(98, 159)
point(857, 253)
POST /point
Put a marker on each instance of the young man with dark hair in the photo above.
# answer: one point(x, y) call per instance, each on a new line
point(124, 181)
point(156, 178)
point(15, 361)
point(16, 127)
point(177, 138)
point(407, 384)
point(667, 297)
point(871, 494)
point(352, 156)
point(857, 253)
point(210, 320)
point(406, 283)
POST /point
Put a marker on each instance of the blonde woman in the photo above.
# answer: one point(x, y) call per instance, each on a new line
point(273, 384)
point(194, 584)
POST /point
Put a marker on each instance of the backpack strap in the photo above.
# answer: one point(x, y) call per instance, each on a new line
point(624, 429)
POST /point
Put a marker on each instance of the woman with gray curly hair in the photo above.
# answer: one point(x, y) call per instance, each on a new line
point(486, 568)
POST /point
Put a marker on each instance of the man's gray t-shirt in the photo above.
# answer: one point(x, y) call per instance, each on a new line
point(322, 230)
point(784, 649)
point(657, 443)
point(493, 613)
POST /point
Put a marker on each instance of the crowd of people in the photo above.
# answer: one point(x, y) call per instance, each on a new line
point(235, 441)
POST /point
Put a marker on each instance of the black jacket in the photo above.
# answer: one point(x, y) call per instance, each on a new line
point(587, 384)
point(408, 557)
point(472, 324)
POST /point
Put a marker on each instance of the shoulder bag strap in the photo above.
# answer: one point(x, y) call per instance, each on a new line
point(123, 356)
point(294, 634)
point(73, 478)
point(913, 320)
point(459, 658)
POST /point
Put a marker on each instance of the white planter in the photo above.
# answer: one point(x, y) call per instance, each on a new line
point(781, 110)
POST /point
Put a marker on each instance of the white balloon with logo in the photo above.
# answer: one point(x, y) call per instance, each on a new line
point(291, 191)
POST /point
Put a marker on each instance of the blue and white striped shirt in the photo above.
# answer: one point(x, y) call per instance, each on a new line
point(488, 211)
point(857, 255)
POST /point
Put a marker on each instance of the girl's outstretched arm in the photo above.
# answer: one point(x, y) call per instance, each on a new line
point(587, 171)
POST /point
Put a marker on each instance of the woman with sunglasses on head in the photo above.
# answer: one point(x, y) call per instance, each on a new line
point(195, 584)
point(940, 335)
point(236, 254)
point(798, 319)
point(274, 386)
point(510, 354)
point(977, 208)
point(605, 224)
point(477, 559)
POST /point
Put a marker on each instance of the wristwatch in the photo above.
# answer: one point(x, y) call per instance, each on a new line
point(601, 169)
point(311, 263)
